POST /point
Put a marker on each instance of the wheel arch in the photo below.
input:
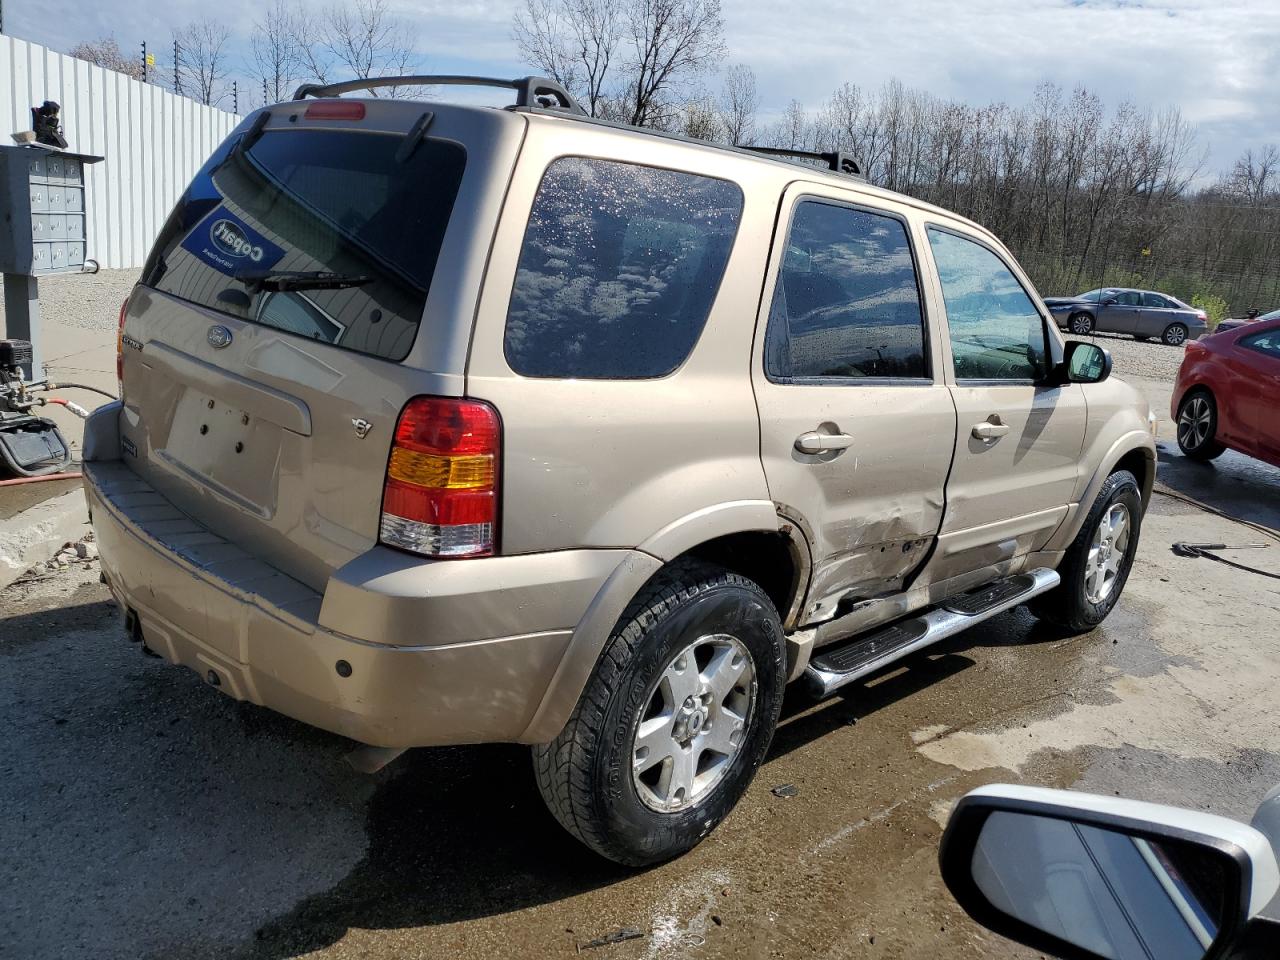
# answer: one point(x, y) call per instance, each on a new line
point(1133, 451)
point(772, 552)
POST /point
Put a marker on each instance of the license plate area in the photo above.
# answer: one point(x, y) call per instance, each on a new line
point(227, 449)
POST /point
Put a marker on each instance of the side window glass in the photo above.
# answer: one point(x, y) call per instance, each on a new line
point(996, 331)
point(1268, 343)
point(1154, 300)
point(1131, 298)
point(619, 269)
point(847, 302)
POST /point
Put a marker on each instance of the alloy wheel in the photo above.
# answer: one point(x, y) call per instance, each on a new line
point(1175, 335)
point(1106, 553)
point(1194, 423)
point(694, 723)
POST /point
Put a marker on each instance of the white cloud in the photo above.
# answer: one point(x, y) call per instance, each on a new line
point(1216, 61)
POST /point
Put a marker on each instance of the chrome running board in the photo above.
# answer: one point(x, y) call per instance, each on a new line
point(833, 667)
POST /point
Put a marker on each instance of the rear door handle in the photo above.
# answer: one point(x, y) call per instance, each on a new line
point(814, 442)
point(986, 430)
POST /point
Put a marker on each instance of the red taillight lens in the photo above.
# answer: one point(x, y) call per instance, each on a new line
point(441, 492)
point(335, 110)
point(124, 309)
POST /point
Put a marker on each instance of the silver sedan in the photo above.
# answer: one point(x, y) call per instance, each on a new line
point(1140, 313)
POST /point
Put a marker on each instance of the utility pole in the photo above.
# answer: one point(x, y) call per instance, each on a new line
point(144, 61)
point(235, 96)
point(177, 80)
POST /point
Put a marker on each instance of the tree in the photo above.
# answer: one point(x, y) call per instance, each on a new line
point(274, 45)
point(738, 103)
point(202, 60)
point(106, 53)
point(672, 42)
point(623, 59)
point(361, 39)
point(574, 43)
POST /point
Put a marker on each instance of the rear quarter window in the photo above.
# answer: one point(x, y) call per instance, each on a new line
point(618, 270)
point(328, 235)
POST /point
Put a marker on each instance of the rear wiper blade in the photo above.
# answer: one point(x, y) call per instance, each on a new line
point(301, 280)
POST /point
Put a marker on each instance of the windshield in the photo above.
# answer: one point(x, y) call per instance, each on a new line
point(325, 234)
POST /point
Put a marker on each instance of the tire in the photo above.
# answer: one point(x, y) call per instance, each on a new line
point(1197, 424)
point(1075, 604)
point(1175, 335)
point(586, 774)
point(1081, 324)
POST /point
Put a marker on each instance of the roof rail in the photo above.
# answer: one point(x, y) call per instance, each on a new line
point(532, 92)
point(835, 160)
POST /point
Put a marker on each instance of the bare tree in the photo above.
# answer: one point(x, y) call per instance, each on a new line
point(672, 42)
point(106, 53)
point(739, 103)
point(202, 60)
point(700, 119)
point(574, 43)
point(274, 45)
point(359, 39)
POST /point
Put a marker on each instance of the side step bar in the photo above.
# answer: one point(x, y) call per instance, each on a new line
point(832, 668)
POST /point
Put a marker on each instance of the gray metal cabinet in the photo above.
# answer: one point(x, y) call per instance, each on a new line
point(43, 229)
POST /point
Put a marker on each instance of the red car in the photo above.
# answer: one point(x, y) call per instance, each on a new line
point(1228, 394)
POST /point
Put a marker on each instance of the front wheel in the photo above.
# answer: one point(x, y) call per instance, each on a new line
point(674, 721)
point(1198, 426)
point(1175, 335)
point(1081, 324)
point(1097, 563)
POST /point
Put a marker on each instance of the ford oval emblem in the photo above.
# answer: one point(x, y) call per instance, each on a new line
point(218, 336)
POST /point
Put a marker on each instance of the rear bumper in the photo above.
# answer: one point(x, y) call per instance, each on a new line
point(398, 652)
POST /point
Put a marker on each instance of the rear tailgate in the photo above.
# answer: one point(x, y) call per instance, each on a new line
point(320, 271)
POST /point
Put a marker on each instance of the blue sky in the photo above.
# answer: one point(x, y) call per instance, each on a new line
point(1216, 61)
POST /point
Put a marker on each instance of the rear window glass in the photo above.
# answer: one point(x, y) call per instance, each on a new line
point(330, 235)
point(619, 268)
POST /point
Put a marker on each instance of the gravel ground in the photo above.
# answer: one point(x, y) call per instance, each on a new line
point(89, 301)
point(1135, 358)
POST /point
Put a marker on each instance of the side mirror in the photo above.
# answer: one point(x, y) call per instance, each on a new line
point(1081, 876)
point(1082, 362)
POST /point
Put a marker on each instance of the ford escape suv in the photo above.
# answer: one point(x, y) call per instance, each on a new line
point(445, 424)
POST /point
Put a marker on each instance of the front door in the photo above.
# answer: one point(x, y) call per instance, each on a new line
point(1018, 440)
point(856, 426)
point(1255, 362)
point(1124, 315)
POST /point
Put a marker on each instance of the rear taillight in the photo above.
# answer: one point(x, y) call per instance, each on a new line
point(441, 492)
point(124, 309)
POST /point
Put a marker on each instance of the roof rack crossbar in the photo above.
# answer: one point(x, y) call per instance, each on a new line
point(836, 160)
point(530, 91)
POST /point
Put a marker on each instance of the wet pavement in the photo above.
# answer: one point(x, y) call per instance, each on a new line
point(148, 816)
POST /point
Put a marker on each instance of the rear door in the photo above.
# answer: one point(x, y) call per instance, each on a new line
point(856, 426)
point(1018, 440)
point(292, 305)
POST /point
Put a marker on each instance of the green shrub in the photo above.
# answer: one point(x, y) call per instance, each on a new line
point(1214, 306)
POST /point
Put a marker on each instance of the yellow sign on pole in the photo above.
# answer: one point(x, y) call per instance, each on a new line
point(151, 59)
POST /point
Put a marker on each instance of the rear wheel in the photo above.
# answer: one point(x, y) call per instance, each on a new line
point(1081, 324)
point(1198, 426)
point(1097, 563)
point(674, 721)
point(1175, 335)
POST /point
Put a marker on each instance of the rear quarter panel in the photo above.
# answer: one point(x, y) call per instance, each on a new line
point(598, 463)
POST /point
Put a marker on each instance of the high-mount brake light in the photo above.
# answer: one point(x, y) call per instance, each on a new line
point(440, 498)
point(335, 110)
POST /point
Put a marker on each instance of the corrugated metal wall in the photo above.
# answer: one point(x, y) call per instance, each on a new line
point(153, 141)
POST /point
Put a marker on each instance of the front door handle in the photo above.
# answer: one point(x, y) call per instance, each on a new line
point(987, 430)
point(814, 442)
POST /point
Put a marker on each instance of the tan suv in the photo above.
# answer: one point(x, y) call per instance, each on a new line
point(447, 424)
